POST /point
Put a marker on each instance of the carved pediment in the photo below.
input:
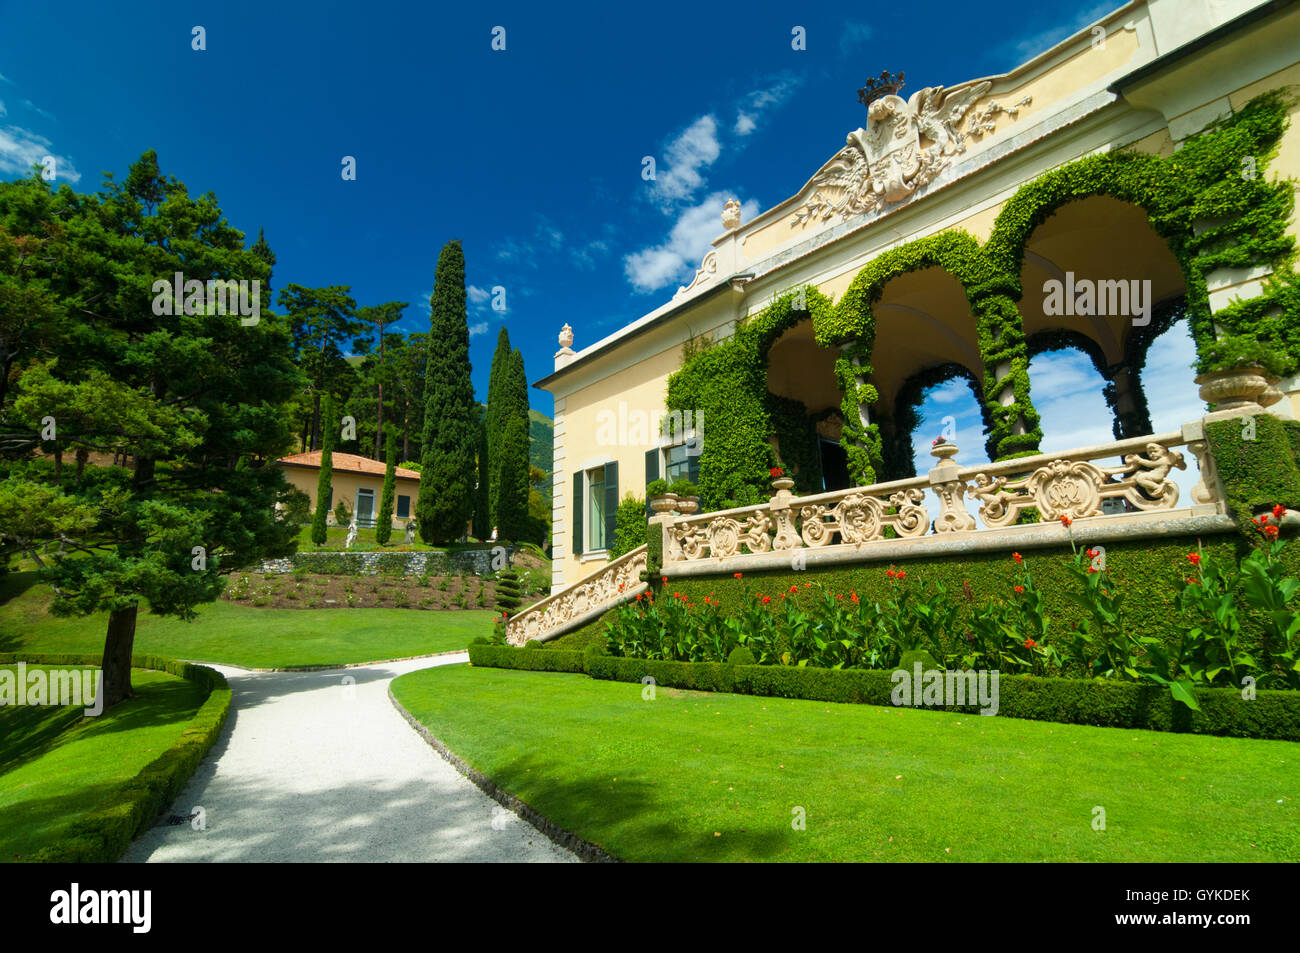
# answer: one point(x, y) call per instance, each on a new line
point(905, 145)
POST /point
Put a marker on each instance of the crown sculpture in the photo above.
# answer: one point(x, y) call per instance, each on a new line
point(886, 162)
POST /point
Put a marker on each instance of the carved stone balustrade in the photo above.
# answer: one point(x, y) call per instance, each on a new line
point(614, 583)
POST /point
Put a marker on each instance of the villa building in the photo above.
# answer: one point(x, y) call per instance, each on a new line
point(1075, 201)
point(358, 481)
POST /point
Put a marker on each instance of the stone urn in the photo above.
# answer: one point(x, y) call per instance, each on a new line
point(782, 483)
point(664, 504)
point(1238, 387)
point(944, 451)
point(687, 505)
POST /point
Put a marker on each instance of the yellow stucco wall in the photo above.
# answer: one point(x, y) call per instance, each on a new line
point(346, 484)
point(639, 385)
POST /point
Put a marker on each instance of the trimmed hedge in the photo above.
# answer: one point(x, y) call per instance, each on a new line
point(103, 834)
point(506, 656)
point(1110, 704)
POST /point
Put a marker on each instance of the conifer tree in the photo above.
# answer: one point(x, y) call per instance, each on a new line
point(387, 501)
point(328, 439)
point(450, 440)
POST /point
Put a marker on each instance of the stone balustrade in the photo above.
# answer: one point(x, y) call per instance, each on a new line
point(585, 600)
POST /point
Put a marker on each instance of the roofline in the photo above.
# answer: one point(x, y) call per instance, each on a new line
point(591, 354)
point(1220, 32)
point(316, 466)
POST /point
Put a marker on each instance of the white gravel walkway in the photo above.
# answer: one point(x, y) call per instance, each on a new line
point(319, 766)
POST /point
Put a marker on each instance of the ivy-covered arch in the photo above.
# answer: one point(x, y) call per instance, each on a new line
point(1012, 427)
point(726, 384)
point(897, 447)
point(1212, 205)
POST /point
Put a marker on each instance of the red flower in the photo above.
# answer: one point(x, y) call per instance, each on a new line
point(1030, 643)
point(622, 586)
point(736, 575)
point(853, 597)
point(766, 600)
point(663, 578)
point(1019, 589)
point(1191, 581)
point(807, 585)
point(1261, 519)
point(1279, 511)
point(776, 472)
point(1017, 557)
point(638, 596)
point(794, 588)
point(901, 575)
point(1270, 532)
point(1092, 569)
point(1092, 554)
point(1066, 521)
point(890, 573)
point(1194, 558)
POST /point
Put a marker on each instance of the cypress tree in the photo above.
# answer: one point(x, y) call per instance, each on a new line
point(384, 527)
point(512, 480)
point(496, 415)
point(318, 531)
point(450, 438)
point(482, 507)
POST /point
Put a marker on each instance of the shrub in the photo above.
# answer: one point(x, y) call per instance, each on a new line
point(629, 526)
point(656, 488)
point(741, 656)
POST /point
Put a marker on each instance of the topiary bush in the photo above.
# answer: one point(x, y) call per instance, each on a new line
point(741, 656)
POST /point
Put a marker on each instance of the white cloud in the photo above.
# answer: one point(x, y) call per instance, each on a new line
point(36, 109)
point(476, 329)
point(2, 108)
point(745, 124)
point(676, 258)
point(20, 149)
point(1031, 46)
point(693, 149)
point(477, 296)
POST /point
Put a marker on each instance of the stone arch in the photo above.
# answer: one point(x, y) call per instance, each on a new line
point(1009, 415)
point(897, 446)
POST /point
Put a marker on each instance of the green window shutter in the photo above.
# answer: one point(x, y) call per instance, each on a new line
point(575, 510)
point(611, 502)
point(651, 474)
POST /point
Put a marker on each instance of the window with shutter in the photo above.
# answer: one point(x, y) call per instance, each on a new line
point(575, 513)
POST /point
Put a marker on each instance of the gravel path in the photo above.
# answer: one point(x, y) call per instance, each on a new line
point(319, 766)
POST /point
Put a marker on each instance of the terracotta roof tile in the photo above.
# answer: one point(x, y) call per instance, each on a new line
point(347, 462)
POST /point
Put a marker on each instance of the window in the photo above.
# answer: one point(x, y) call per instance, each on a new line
point(403, 507)
point(596, 509)
point(677, 465)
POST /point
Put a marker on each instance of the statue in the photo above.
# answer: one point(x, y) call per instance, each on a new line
point(731, 215)
point(410, 532)
point(352, 534)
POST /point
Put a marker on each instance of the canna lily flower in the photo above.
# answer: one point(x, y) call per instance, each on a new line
point(1030, 643)
point(1066, 521)
point(639, 595)
point(1270, 532)
point(776, 472)
point(794, 588)
point(853, 597)
point(1019, 589)
point(900, 575)
point(766, 599)
point(1017, 557)
point(1279, 511)
point(1194, 558)
point(736, 575)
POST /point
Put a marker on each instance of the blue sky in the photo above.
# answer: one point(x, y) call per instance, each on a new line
point(531, 156)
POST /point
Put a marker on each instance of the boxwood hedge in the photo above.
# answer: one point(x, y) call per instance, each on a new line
point(103, 833)
point(1271, 714)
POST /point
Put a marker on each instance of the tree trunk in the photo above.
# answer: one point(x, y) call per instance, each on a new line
point(117, 656)
point(58, 464)
point(406, 432)
point(379, 426)
point(82, 456)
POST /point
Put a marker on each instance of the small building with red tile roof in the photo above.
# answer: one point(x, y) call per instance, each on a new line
point(357, 480)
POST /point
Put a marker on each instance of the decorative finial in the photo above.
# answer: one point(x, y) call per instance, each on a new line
point(731, 215)
point(566, 336)
point(886, 84)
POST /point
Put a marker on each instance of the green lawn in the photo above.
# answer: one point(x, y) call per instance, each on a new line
point(239, 635)
point(56, 764)
point(697, 776)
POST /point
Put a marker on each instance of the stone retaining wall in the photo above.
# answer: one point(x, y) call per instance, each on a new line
point(477, 562)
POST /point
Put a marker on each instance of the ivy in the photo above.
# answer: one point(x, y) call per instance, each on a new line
point(1211, 204)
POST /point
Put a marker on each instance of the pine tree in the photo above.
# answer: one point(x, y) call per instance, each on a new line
point(450, 438)
point(328, 438)
point(482, 508)
point(384, 528)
